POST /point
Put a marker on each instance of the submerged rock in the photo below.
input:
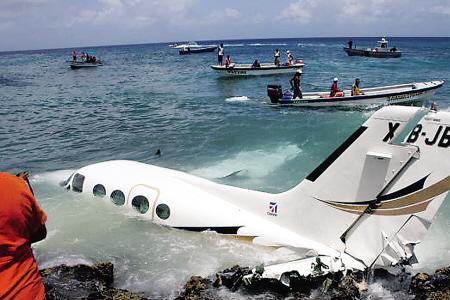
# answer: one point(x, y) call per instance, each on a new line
point(83, 282)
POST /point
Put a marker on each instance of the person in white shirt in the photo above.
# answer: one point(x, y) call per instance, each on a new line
point(220, 55)
point(290, 58)
point(277, 57)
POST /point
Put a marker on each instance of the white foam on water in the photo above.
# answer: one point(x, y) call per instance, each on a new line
point(368, 113)
point(233, 45)
point(51, 177)
point(69, 260)
point(237, 99)
point(377, 291)
point(269, 44)
point(311, 45)
point(256, 163)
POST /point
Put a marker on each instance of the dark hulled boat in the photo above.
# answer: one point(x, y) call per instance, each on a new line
point(189, 50)
point(381, 51)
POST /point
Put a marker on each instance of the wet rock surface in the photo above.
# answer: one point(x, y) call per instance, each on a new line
point(96, 282)
point(83, 282)
point(353, 285)
point(436, 286)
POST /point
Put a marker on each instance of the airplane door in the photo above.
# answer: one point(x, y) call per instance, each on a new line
point(142, 198)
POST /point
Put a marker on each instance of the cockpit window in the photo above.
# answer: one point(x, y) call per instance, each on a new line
point(67, 181)
point(77, 183)
point(140, 203)
point(163, 211)
point(117, 197)
point(99, 190)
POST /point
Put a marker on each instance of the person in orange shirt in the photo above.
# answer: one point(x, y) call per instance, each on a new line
point(22, 222)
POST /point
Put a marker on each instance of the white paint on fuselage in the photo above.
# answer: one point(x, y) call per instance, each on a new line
point(298, 218)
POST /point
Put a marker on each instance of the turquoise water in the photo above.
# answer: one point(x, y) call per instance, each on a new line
point(147, 97)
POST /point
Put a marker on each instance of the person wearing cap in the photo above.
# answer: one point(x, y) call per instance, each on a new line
point(290, 58)
point(296, 85)
point(356, 91)
point(334, 88)
point(22, 223)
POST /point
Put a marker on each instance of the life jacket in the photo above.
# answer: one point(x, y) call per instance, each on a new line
point(355, 90)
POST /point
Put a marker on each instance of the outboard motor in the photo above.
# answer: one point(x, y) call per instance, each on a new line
point(274, 92)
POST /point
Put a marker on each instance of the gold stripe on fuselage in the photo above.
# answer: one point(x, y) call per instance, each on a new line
point(414, 203)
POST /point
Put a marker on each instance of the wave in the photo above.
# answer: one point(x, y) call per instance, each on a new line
point(314, 45)
point(256, 163)
point(53, 177)
point(233, 45)
point(237, 99)
point(269, 44)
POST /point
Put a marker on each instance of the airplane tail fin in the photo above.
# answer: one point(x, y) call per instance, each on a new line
point(374, 198)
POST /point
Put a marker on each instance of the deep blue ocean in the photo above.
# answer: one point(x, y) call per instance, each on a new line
point(146, 97)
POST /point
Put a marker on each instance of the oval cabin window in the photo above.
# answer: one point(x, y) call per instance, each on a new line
point(117, 197)
point(99, 190)
point(163, 211)
point(140, 203)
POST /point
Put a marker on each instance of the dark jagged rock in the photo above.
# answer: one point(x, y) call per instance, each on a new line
point(114, 294)
point(436, 286)
point(231, 278)
point(346, 289)
point(83, 282)
point(197, 288)
point(330, 285)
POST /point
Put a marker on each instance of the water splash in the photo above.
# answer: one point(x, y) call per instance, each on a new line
point(237, 99)
point(257, 163)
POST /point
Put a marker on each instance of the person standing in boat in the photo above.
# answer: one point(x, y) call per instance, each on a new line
point(277, 57)
point(356, 91)
point(350, 44)
point(296, 85)
point(220, 55)
point(335, 92)
point(228, 62)
point(74, 55)
point(290, 58)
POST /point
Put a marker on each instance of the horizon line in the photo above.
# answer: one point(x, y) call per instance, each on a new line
point(209, 40)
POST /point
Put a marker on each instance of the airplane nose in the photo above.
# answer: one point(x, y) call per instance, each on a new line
point(66, 183)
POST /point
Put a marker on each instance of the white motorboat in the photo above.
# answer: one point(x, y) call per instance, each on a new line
point(190, 45)
point(369, 203)
point(82, 65)
point(263, 69)
point(384, 95)
point(90, 60)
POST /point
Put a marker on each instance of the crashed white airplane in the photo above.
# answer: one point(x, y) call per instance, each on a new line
point(368, 204)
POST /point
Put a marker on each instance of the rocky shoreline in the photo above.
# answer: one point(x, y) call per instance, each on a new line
point(97, 282)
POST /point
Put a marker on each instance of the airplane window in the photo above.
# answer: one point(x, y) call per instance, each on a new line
point(77, 183)
point(67, 181)
point(163, 211)
point(99, 190)
point(140, 203)
point(117, 197)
